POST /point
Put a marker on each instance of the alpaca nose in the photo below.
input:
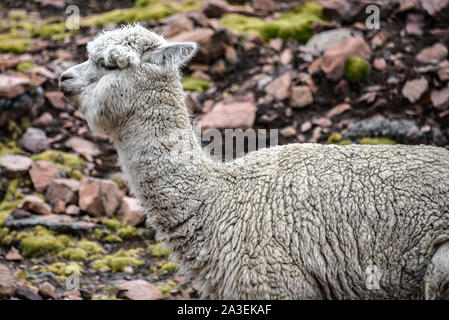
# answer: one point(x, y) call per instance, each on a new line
point(66, 76)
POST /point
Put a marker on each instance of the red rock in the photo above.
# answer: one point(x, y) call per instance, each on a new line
point(338, 109)
point(334, 57)
point(130, 212)
point(56, 99)
point(288, 131)
point(230, 115)
point(64, 191)
point(139, 290)
point(46, 290)
point(42, 173)
point(44, 120)
point(99, 197)
point(215, 8)
point(35, 204)
point(432, 54)
point(231, 54)
point(379, 64)
point(13, 255)
point(440, 98)
point(414, 89)
point(176, 24)
point(15, 165)
point(8, 61)
point(280, 87)
point(84, 147)
point(34, 140)
point(12, 86)
point(322, 122)
point(301, 97)
point(7, 282)
point(276, 44)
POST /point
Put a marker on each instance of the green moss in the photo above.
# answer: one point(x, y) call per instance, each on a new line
point(112, 238)
point(9, 147)
point(292, 25)
point(67, 162)
point(13, 197)
point(122, 230)
point(127, 232)
point(14, 44)
point(334, 138)
point(62, 269)
point(25, 66)
point(119, 260)
point(190, 83)
point(98, 234)
point(48, 30)
point(158, 251)
point(22, 274)
point(345, 142)
point(143, 11)
point(41, 241)
point(166, 266)
point(379, 140)
point(91, 247)
point(112, 224)
point(167, 288)
point(76, 254)
point(357, 69)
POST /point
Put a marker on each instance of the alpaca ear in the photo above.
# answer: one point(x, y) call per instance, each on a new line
point(174, 54)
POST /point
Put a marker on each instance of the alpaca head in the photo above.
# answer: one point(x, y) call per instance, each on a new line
point(123, 64)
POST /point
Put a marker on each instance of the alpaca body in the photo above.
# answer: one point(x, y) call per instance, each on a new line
point(302, 221)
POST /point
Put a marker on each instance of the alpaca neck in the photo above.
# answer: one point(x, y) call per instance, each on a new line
point(165, 166)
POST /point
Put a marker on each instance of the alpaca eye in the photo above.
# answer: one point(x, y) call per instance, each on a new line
point(109, 67)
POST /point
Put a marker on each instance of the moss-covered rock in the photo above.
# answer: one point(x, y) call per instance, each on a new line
point(67, 162)
point(10, 43)
point(41, 241)
point(379, 140)
point(292, 25)
point(357, 69)
point(76, 254)
point(190, 83)
point(119, 260)
point(25, 66)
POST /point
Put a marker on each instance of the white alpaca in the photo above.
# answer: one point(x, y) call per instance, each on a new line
point(301, 221)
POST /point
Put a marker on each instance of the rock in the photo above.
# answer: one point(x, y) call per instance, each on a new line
point(288, 131)
point(15, 165)
point(338, 109)
point(433, 7)
point(47, 291)
point(327, 39)
point(440, 98)
point(443, 71)
point(403, 131)
point(63, 190)
point(84, 147)
point(58, 222)
point(334, 58)
point(432, 54)
point(139, 290)
point(34, 140)
point(342, 10)
point(286, 57)
point(130, 212)
point(264, 6)
point(414, 89)
point(230, 115)
point(42, 173)
point(12, 86)
point(176, 24)
point(72, 295)
point(203, 37)
point(215, 8)
point(99, 197)
point(415, 24)
point(44, 120)
point(322, 122)
point(8, 61)
point(7, 282)
point(279, 87)
point(301, 97)
point(35, 204)
point(276, 44)
point(72, 210)
point(306, 126)
point(379, 64)
point(20, 214)
point(26, 294)
point(13, 255)
point(56, 99)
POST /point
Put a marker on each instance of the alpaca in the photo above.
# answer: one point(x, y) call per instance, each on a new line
point(300, 221)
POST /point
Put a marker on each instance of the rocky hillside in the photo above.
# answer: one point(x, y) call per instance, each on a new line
point(69, 229)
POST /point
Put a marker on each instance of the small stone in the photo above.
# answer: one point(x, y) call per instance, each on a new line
point(42, 173)
point(20, 214)
point(63, 190)
point(7, 282)
point(56, 99)
point(230, 115)
point(301, 97)
point(322, 122)
point(84, 147)
point(279, 87)
point(414, 89)
point(286, 57)
point(72, 295)
point(26, 294)
point(99, 197)
point(432, 54)
point(379, 64)
point(306, 126)
point(215, 8)
point(276, 44)
point(12, 86)
point(130, 212)
point(13, 255)
point(15, 165)
point(139, 290)
point(34, 140)
point(415, 24)
point(338, 109)
point(44, 120)
point(35, 204)
point(288, 131)
point(47, 290)
point(440, 98)
point(72, 210)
